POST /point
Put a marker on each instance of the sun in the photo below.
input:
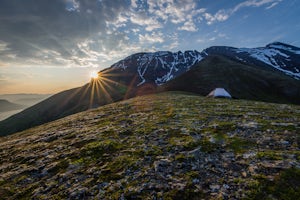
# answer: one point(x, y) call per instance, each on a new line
point(94, 75)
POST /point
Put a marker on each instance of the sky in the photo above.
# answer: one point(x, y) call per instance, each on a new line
point(47, 46)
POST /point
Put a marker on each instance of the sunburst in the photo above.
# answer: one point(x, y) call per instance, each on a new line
point(94, 75)
point(101, 87)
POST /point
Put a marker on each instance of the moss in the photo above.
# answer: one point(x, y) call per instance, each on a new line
point(224, 126)
point(125, 132)
point(7, 191)
point(180, 157)
point(170, 113)
point(98, 148)
point(189, 193)
point(192, 175)
point(26, 192)
point(183, 140)
point(114, 170)
point(207, 146)
point(78, 161)
point(154, 151)
point(239, 145)
point(60, 166)
point(285, 186)
point(271, 155)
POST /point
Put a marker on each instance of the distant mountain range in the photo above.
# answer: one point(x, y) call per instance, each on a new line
point(268, 73)
point(25, 99)
point(8, 106)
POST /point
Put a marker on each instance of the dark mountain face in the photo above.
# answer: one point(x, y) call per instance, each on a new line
point(266, 73)
point(242, 81)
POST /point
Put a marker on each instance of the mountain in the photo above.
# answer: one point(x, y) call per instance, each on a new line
point(267, 74)
point(280, 56)
point(62, 104)
point(162, 146)
point(242, 81)
point(25, 99)
point(8, 106)
point(160, 67)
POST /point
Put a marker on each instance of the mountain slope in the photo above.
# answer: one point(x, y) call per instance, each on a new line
point(8, 106)
point(168, 146)
point(241, 80)
point(62, 104)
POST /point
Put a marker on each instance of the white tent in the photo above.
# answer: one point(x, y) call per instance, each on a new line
point(219, 92)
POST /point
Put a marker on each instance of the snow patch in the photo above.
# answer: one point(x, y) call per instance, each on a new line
point(278, 46)
point(268, 56)
point(170, 63)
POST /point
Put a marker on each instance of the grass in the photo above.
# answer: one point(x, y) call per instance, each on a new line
point(285, 186)
point(198, 142)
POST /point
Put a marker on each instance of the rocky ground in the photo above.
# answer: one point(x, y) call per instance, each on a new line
point(164, 146)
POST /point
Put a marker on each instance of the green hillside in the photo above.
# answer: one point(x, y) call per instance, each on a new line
point(163, 146)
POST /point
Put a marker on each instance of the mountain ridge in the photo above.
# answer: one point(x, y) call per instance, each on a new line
point(180, 62)
point(146, 73)
point(6, 105)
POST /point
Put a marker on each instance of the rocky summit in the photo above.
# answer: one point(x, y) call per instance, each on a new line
point(162, 146)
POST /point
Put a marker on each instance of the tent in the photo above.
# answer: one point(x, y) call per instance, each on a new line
point(219, 92)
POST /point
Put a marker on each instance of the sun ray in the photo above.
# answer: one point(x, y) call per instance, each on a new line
point(92, 94)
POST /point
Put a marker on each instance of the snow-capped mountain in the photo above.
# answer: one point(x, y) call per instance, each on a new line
point(158, 67)
point(283, 57)
point(163, 66)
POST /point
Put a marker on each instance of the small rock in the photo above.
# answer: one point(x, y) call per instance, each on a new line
point(196, 181)
point(161, 165)
point(244, 174)
point(214, 188)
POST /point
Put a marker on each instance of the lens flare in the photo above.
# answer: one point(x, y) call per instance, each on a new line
point(94, 75)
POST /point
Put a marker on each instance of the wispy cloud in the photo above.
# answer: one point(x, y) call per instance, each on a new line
point(223, 15)
point(255, 3)
point(272, 5)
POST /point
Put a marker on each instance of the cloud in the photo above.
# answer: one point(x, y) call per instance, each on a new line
point(151, 38)
point(223, 15)
point(254, 3)
point(84, 33)
point(188, 26)
point(272, 5)
point(38, 33)
point(220, 16)
point(142, 20)
point(159, 12)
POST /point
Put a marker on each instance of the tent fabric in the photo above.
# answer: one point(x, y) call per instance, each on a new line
point(219, 92)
